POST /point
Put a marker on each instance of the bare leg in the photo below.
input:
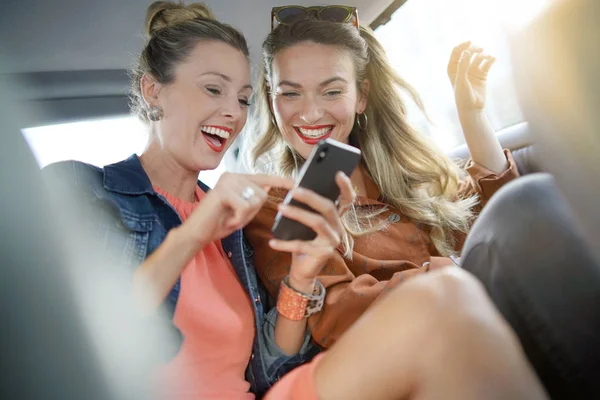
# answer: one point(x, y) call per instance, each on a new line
point(436, 337)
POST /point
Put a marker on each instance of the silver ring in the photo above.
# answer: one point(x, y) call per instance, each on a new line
point(248, 193)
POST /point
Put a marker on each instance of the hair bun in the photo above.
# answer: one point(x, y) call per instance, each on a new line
point(163, 14)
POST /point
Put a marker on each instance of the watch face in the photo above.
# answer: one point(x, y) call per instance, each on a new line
point(316, 302)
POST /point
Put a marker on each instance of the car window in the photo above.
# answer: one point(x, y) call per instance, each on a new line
point(419, 38)
point(98, 142)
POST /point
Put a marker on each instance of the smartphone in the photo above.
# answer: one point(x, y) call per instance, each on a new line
point(327, 158)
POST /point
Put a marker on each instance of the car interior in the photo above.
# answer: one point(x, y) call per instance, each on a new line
point(64, 87)
point(81, 73)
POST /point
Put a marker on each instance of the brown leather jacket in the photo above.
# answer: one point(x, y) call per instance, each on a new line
point(380, 260)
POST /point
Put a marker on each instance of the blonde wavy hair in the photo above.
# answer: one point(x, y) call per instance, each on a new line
point(412, 174)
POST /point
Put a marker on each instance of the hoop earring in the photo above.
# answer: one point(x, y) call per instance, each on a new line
point(155, 113)
point(362, 126)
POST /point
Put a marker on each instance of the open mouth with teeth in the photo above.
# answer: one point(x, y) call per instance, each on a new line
point(216, 136)
point(314, 134)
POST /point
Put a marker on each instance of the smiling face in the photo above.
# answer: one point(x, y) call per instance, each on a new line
point(314, 95)
point(205, 107)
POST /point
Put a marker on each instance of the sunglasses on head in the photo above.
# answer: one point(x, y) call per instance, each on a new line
point(287, 15)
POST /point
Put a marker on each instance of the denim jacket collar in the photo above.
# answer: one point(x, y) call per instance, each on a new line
point(129, 177)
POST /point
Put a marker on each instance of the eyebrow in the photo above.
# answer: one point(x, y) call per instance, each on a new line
point(225, 78)
point(334, 79)
point(324, 83)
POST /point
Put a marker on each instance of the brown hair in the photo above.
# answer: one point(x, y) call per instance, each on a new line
point(174, 30)
point(412, 174)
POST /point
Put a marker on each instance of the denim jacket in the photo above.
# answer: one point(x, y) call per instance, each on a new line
point(133, 220)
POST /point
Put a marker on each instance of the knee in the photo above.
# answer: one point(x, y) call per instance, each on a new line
point(459, 316)
point(446, 290)
point(468, 342)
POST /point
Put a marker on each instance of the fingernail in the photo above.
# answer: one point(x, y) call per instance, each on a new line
point(272, 242)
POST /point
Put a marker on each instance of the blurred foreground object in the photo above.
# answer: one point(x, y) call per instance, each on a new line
point(557, 64)
point(68, 328)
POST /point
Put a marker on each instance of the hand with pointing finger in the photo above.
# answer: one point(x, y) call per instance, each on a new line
point(230, 205)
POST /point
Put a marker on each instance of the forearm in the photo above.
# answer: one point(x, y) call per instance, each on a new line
point(289, 335)
point(481, 139)
point(155, 277)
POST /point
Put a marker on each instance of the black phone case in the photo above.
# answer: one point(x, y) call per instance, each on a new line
point(318, 175)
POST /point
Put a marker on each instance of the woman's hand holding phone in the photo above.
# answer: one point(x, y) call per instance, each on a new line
point(309, 256)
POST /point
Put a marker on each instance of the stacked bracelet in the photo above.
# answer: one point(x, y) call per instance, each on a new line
point(295, 305)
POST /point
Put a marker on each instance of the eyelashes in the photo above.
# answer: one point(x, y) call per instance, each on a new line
point(217, 92)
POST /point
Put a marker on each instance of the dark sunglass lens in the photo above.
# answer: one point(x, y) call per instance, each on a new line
point(291, 14)
point(335, 14)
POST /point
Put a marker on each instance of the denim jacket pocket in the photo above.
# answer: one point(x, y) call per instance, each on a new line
point(126, 235)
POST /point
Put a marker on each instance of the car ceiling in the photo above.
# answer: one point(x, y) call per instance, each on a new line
point(72, 55)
